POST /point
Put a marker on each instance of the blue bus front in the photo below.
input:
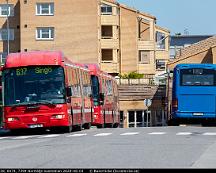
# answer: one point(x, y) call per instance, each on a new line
point(194, 92)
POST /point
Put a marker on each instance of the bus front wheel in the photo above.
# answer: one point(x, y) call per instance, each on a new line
point(173, 122)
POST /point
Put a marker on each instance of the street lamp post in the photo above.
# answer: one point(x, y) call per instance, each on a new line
point(8, 42)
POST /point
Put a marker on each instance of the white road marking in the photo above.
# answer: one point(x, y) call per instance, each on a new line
point(157, 133)
point(4, 138)
point(210, 133)
point(49, 136)
point(23, 137)
point(103, 134)
point(129, 133)
point(184, 133)
point(77, 135)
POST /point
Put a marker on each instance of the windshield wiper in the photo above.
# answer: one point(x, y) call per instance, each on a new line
point(45, 102)
point(24, 104)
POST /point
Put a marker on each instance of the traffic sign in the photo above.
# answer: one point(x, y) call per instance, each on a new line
point(147, 102)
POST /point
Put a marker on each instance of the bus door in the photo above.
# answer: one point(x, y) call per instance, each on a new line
point(76, 95)
point(82, 101)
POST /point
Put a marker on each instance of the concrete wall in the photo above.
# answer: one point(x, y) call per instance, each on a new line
point(76, 28)
point(129, 38)
point(14, 23)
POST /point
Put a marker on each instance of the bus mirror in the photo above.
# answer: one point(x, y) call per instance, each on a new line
point(69, 91)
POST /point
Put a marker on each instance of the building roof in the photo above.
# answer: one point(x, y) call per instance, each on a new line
point(181, 40)
point(137, 11)
point(131, 9)
point(163, 29)
point(194, 49)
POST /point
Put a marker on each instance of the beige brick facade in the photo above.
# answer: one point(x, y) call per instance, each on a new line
point(120, 41)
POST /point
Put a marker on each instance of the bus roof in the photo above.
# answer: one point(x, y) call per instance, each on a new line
point(34, 58)
point(182, 66)
point(94, 69)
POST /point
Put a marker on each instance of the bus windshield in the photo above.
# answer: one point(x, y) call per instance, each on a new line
point(35, 84)
point(197, 77)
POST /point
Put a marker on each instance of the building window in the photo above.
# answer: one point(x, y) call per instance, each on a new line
point(45, 9)
point(46, 33)
point(106, 9)
point(144, 57)
point(4, 34)
point(107, 54)
point(160, 40)
point(3, 56)
point(4, 9)
point(107, 31)
point(172, 52)
point(160, 64)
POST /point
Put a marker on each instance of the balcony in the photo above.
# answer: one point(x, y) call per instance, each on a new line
point(109, 43)
point(110, 20)
point(146, 45)
point(110, 66)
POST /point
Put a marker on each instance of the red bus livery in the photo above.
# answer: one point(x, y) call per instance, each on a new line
point(104, 98)
point(45, 89)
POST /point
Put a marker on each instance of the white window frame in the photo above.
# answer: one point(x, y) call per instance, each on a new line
point(144, 57)
point(40, 6)
point(106, 12)
point(11, 10)
point(5, 37)
point(40, 31)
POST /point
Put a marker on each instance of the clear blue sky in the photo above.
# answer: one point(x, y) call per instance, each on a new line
point(197, 16)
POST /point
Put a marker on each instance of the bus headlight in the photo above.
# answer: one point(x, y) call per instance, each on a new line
point(60, 116)
point(12, 119)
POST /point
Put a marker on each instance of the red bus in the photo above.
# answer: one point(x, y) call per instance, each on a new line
point(43, 89)
point(104, 98)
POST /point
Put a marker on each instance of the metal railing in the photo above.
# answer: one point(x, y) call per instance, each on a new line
point(144, 81)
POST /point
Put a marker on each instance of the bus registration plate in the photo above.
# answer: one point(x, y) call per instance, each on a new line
point(35, 126)
point(198, 114)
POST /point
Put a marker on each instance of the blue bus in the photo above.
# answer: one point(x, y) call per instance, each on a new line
point(193, 94)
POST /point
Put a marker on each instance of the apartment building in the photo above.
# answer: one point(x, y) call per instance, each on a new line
point(118, 38)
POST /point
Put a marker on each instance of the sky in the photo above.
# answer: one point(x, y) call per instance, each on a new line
point(194, 17)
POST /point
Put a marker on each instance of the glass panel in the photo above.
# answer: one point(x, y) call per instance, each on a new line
point(52, 32)
point(95, 89)
point(52, 8)
point(106, 9)
point(45, 33)
point(38, 8)
point(4, 10)
point(160, 39)
point(32, 85)
point(44, 8)
point(197, 77)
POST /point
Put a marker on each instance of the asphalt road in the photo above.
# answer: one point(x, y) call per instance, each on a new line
point(152, 147)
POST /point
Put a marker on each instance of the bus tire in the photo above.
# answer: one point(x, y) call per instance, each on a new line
point(87, 126)
point(100, 126)
point(116, 125)
point(68, 129)
point(173, 122)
